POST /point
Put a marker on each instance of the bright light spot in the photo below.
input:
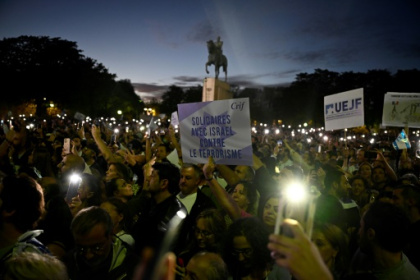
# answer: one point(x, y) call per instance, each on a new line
point(295, 192)
point(181, 214)
point(116, 131)
point(371, 141)
point(277, 131)
point(305, 124)
point(266, 131)
point(75, 178)
point(325, 138)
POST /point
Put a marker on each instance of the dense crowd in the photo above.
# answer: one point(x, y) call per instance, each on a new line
point(125, 204)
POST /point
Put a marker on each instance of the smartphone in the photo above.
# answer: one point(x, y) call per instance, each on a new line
point(66, 146)
point(279, 142)
point(319, 149)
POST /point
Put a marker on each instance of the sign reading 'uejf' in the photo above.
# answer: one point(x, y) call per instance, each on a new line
point(220, 129)
point(344, 110)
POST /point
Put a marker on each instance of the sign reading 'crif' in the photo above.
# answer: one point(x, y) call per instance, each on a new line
point(344, 110)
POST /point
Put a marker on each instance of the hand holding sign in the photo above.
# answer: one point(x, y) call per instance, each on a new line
point(209, 168)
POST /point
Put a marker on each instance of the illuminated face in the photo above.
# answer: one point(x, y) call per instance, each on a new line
point(203, 234)
point(239, 196)
point(327, 251)
point(111, 173)
point(124, 189)
point(358, 187)
point(271, 209)
point(189, 182)
point(242, 172)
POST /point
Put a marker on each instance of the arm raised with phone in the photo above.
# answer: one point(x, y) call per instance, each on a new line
point(298, 253)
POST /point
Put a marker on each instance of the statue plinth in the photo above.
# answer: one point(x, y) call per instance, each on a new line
point(213, 89)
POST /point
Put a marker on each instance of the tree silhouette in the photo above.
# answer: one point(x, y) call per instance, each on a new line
point(44, 69)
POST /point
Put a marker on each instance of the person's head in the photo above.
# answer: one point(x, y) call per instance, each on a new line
point(89, 153)
point(117, 170)
point(92, 230)
point(408, 179)
point(22, 202)
point(119, 188)
point(245, 249)
point(206, 266)
point(360, 156)
point(89, 190)
point(358, 186)
point(245, 195)
point(77, 142)
point(117, 210)
point(191, 178)
point(383, 225)
point(34, 266)
point(378, 175)
point(336, 183)
point(270, 210)
point(165, 177)
point(332, 244)
point(245, 173)
point(209, 231)
point(407, 197)
point(162, 151)
point(71, 164)
point(365, 170)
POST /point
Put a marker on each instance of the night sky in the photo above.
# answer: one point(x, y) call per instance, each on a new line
point(160, 43)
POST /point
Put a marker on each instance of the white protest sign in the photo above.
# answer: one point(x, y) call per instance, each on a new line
point(174, 118)
point(344, 110)
point(401, 109)
point(220, 129)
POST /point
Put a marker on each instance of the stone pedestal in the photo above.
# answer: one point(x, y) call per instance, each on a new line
point(213, 89)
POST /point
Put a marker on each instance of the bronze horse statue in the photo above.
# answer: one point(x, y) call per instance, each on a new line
point(217, 58)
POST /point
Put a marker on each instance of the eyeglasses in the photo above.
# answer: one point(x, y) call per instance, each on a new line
point(247, 252)
point(204, 233)
point(95, 249)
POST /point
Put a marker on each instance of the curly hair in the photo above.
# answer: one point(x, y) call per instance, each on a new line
point(256, 235)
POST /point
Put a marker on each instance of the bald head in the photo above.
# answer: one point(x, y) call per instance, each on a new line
point(72, 164)
point(206, 266)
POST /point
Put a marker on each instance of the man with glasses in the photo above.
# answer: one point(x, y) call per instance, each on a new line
point(95, 256)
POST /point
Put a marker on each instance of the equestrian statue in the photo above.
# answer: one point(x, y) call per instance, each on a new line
point(216, 57)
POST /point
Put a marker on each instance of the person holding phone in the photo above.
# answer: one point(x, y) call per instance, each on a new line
point(298, 254)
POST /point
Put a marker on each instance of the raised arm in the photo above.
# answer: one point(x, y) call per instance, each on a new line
point(224, 199)
point(102, 146)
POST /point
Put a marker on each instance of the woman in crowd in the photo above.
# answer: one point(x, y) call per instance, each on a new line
point(88, 194)
point(119, 188)
point(332, 244)
point(117, 209)
point(245, 251)
point(209, 231)
point(365, 171)
point(269, 210)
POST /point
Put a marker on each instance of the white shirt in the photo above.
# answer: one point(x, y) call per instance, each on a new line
point(188, 200)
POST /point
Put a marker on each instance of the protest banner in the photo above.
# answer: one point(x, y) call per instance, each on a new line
point(344, 110)
point(400, 109)
point(220, 129)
